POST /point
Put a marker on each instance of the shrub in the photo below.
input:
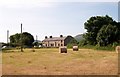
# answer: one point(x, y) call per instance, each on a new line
point(83, 42)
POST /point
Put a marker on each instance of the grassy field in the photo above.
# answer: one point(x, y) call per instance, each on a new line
point(51, 62)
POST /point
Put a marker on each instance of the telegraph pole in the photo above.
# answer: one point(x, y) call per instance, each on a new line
point(7, 36)
point(21, 39)
point(36, 37)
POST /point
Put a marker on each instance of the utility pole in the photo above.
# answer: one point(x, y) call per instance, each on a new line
point(36, 38)
point(21, 39)
point(7, 36)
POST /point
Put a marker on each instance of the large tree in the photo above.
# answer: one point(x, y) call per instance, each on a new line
point(107, 35)
point(26, 38)
point(101, 30)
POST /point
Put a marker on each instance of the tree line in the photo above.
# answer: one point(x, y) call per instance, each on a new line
point(101, 31)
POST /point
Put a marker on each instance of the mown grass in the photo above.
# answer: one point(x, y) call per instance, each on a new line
point(50, 61)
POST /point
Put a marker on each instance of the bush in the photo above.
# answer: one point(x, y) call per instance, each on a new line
point(115, 44)
point(69, 46)
point(72, 42)
point(109, 47)
point(83, 42)
point(97, 47)
point(87, 46)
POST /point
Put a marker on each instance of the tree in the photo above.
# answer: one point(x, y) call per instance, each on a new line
point(94, 25)
point(82, 42)
point(107, 35)
point(15, 40)
point(27, 39)
point(72, 42)
point(37, 43)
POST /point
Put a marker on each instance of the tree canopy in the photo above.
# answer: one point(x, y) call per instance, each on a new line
point(101, 30)
point(25, 38)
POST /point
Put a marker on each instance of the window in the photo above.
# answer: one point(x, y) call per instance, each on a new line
point(61, 44)
point(52, 44)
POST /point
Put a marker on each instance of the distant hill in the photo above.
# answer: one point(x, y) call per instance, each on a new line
point(79, 37)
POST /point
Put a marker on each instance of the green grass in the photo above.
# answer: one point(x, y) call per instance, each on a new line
point(106, 48)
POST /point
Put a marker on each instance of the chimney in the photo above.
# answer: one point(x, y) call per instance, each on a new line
point(45, 37)
point(61, 35)
point(50, 36)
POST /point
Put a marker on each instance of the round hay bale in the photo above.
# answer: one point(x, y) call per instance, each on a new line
point(117, 49)
point(75, 48)
point(63, 49)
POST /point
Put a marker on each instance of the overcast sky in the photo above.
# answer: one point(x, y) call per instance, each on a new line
point(51, 17)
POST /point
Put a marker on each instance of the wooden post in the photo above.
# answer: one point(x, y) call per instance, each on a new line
point(117, 49)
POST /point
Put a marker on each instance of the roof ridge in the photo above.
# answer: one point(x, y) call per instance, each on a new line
point(54, 38)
